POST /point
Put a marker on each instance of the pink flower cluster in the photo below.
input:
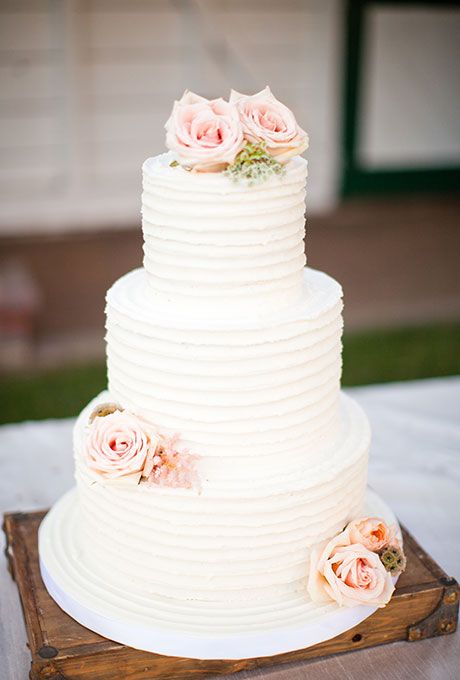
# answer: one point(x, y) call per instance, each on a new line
point(207, 135)
point(348, 568)
point(121, 445)
point(170, 464)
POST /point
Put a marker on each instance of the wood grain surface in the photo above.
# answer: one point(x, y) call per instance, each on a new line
point(425, 604)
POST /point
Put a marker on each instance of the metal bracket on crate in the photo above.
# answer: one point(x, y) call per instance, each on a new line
point(443, 619)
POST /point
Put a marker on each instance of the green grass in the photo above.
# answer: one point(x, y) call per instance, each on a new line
point(49, 394)
point(371, 357)
point(401, 354)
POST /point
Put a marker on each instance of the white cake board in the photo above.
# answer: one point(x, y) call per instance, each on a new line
point(82, 594)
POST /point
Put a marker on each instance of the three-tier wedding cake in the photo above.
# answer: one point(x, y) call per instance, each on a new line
point(223, 458)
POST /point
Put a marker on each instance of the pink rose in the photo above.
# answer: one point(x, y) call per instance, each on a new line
point(349, 574)
point(371, 532)
point(118, 444)
point(265, 119)
point(206, 135)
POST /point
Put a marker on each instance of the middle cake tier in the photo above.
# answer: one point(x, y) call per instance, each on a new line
point(265, 389)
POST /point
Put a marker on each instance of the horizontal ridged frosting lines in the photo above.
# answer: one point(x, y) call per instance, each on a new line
point(228, 543)
point(214, 246)
point(268, 385)
point(225, 338)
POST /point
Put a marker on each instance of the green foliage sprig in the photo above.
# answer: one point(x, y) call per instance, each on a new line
point(254, 165)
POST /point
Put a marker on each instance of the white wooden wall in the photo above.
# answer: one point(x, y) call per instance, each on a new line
point(86, 86)
point(411, 102)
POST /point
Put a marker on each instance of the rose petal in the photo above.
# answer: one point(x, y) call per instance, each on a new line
point(117, 444)
point(204, 134)
point(265, 119)
point(349, 574)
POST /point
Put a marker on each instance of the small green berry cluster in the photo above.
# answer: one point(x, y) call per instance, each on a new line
point(254, 165)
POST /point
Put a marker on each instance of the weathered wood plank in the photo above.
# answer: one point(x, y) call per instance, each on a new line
point(425, 604)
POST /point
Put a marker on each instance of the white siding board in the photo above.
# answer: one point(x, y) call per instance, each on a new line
point(134, 29)
point(27, 79)
point(128, 79)
point(90, 84)
point(21, 131)
point(28, 31)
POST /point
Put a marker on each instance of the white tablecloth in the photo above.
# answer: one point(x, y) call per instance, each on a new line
point(415, 467)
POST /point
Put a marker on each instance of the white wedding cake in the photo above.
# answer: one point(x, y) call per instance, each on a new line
point(223, 452)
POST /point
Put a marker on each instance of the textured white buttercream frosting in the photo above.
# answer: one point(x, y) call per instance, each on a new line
point(217, 247)
point(269, 385)
point(226, 542)
point(225, 338)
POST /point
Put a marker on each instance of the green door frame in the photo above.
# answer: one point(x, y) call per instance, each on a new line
point(356, 179)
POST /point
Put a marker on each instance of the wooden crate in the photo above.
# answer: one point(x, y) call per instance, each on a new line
point(424, 605)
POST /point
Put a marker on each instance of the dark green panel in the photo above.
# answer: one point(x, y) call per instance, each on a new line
point(356, 179)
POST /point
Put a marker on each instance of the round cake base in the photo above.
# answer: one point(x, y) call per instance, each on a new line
point(197, 630)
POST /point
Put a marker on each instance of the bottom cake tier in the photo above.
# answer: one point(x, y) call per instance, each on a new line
point(200, 630)
point(220, 544)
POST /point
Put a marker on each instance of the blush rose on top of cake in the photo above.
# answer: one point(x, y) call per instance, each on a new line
point(206, 134)
point(265, 119)
point(249, 137)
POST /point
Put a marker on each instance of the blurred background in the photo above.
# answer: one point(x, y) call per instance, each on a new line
point(86, 86)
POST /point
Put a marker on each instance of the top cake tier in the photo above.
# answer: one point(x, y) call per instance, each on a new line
point(214, 246)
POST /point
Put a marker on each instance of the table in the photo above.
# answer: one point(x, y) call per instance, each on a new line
point(415, 467)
